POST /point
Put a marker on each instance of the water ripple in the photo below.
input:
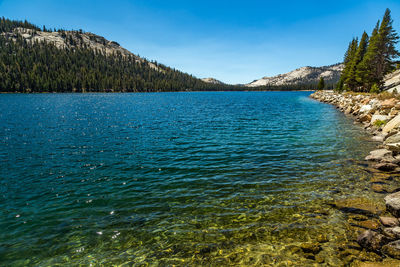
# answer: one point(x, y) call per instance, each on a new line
point(230, 178)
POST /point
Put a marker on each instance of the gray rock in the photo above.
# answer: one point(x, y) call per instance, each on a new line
point(392, 124)
point(393, 139)
point(391, 133)
point(393, 203)
point(379, 155)
point(378, 138)
point(392, 249)
point(395, 147)
point(392, 232)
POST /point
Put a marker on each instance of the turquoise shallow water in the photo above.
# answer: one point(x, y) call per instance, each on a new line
point(226, 178)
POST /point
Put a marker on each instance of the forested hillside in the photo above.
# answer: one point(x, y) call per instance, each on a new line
point(80, 62)
point(34, 59)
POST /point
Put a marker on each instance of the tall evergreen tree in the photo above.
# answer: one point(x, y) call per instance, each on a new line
point(386, 46)
point(348, 58)
point(351, 80)
point(366, 72)
point(379, 58)
point(321, 83)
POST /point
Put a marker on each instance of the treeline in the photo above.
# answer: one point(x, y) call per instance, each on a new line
point(366, 62)
point(296, 87)
point(42, 67)
point(27, 66)
point(7, 25)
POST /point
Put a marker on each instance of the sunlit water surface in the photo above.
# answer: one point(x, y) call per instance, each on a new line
point(227, 178)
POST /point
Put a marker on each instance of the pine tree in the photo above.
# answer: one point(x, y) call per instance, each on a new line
point(366, 72)
point(351, 80)
point(386, 46)
point(348, 58)
point(379, 58)
point(321, 83)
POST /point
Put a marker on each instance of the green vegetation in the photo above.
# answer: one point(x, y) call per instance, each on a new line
point(379, 123)
point(27, 66)
point(7, 25)
point(321, 83)
point(367, 62)
point(42, 67)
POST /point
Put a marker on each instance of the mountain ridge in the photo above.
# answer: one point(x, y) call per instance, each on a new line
point(43, 60)
point(303, 75)
point(212, 81)
point(64, 39)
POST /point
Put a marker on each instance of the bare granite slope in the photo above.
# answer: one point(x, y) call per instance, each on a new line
point(392, 82)
point(303, 75)
point(212, 80)
point(75, 39)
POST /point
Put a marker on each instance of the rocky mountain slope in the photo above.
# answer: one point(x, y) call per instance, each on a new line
point(34, 59)
point(72, 40)
point(304, 75)
point(212, 81)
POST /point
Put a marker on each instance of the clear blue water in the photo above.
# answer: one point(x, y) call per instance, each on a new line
point(225, 178)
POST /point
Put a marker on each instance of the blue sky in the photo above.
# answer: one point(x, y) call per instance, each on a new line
point(233, 41)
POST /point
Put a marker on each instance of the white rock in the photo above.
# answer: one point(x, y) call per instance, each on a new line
point(378, 138)
point(394, 123)
point(365, 108)
point(393, 203)
point(379, 118)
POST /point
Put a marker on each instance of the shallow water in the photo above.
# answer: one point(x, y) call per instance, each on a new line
point(227, 178)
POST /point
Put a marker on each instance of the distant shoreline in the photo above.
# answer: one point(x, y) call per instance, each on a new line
point(32, 93)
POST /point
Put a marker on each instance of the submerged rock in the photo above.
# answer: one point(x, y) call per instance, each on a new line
point(381, 178)
point(368, 224)
point(371, 240)
point(393, 203)
point(313, 248)
point(384, 263)
point(384, 188)
point(386, 166)
point(359, 206)
point(322, 238)
point(378, 188)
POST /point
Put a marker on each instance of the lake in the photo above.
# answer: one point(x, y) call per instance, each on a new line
point(202, 178)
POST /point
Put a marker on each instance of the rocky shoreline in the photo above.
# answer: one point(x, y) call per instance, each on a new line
point(380, 115)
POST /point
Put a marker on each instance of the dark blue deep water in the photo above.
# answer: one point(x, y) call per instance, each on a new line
point(225, 178)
